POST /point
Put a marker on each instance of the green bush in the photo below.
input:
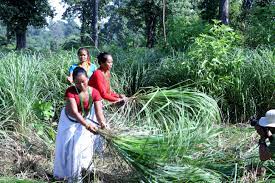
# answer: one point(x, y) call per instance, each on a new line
point(71, 43)
point(183, 31)
point(242, 80)
point(260, 26)
point(207, 57)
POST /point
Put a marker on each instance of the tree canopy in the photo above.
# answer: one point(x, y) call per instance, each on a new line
point(17, 15)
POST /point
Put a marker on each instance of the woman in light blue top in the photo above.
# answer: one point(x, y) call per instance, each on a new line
point(84, 62)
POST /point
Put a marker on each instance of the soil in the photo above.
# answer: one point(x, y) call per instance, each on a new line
point(28, 157)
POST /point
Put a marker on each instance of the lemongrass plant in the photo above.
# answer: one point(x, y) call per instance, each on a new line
point(27, 78)
point(160, 156)
point(158, 105)
point(168, 134)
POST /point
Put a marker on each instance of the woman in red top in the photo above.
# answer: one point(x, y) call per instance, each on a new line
point(74, 140)
point(101, 79)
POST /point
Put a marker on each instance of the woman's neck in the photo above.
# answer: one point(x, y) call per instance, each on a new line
point(82, 63)
point(103, 69)
point(82, 91)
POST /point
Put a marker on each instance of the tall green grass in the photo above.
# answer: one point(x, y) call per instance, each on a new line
point(243, 87)
point(27, 78)
point(173, 131)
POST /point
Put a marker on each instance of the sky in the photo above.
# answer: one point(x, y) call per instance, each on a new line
point(59, 8)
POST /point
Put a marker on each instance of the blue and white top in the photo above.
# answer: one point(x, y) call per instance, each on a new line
point(90, 68)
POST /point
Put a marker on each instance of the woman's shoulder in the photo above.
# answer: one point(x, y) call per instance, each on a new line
point(70, 91)
point(95, 94)
point(93, 66)
point(74, 64)
point(72, 67)
point(97, 73)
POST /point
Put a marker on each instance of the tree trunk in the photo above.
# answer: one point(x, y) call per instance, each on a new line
point(247, 4)
point(85, 22)
point(224, 11)
point(9, 33)
point(82, 28)
point(151, 29)
point(163, 20)
point(94, 26)
point(20, 39)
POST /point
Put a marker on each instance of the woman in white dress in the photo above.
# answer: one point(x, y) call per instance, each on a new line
point(75, 134)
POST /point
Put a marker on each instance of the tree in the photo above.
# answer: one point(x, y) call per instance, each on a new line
point(152, 14)
point(17, 15)
point(88, 13)
point(224, 11)
point(147, 13)
point(94, 24)
point(209, 9)
point(81, 10)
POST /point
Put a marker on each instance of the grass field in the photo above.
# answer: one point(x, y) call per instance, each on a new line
point(182, 132)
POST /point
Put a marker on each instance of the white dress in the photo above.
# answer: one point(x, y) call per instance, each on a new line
point(74, 148)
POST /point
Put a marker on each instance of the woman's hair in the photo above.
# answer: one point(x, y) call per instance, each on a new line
point(78, 71)
point(88, 54)
point(102, 57)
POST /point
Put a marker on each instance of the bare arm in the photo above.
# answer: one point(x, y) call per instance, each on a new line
point(70, 78)
point(99, 113)
point(71, 109)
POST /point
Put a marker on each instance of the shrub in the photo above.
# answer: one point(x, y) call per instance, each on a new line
point(208, 57)
point(183, 32)
point(72, 42)
point(260, 26)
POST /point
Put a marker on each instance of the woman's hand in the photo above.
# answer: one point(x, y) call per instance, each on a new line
point(104, 125)
point(70, 79)
point(121, 96)
point(92, 128)
point(125, 99)
point(120, 102)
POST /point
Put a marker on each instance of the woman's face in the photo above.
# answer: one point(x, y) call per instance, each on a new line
point(83, 56)
point(108, 64)
point(81, 82)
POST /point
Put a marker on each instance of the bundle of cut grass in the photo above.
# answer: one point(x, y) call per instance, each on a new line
point(163, 157)
point(170, 136)
point(159, 106)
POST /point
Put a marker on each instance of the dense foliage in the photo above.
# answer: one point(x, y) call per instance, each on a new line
point(18, 15)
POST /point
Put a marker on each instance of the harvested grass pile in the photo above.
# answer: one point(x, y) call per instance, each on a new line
point(169, 135)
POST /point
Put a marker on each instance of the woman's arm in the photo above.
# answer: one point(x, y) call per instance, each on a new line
point(70, 78)
point(264, 152)
point(98, 80)
point(99, 113)
point(72, 110)
point(71, 69)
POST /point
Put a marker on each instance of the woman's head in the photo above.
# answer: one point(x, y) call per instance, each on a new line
point(105, 60)
point(80, 78)
point(84, 55)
